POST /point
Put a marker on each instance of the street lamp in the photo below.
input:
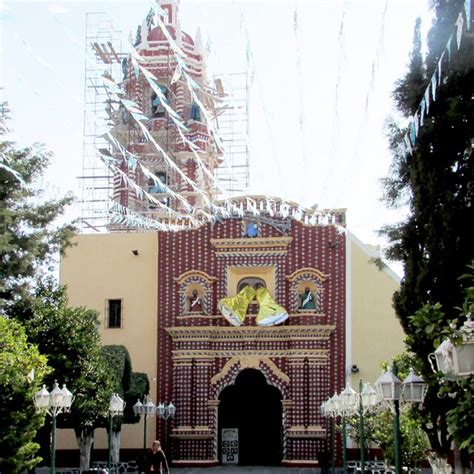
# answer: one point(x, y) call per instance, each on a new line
point(146, 409)
point(414, 388)
point(345, 406)
point(329, 409)
point(390, 387)
point(116, 407)
point(54, 403)
point(456, 359)
point(165, 411)
point(391, 390)
point(363, 402)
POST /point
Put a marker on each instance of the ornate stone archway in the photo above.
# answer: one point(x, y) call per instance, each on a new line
point(227, 376)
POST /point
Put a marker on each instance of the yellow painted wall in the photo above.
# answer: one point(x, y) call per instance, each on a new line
point(375, 334)
point(102, 267)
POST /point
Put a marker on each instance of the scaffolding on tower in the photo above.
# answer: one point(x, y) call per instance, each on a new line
point(103, 58)
point(233, 126)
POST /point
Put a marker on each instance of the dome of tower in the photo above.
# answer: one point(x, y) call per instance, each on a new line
point(156, 34)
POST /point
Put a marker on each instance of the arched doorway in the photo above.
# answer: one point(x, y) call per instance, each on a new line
point(254, 408)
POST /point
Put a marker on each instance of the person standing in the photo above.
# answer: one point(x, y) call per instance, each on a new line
point(156, 460)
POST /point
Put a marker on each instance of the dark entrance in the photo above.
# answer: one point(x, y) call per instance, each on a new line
point(254, 407)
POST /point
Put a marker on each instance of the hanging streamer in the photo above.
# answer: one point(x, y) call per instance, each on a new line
point(459, 24)
point(435, 81)
point(175, 117)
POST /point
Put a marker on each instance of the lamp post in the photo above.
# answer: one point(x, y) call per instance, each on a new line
point(363, 402)
point(54, 403)
point(116, 407)
point(456, 359)
point(329, 409)
point(146, 409)
point(346, 403)
point(391, 390)
point(165, 411)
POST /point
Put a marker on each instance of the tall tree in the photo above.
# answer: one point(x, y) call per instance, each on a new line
point(29, 234)
point(70, 338)
point(22, 367)
point(435, 181)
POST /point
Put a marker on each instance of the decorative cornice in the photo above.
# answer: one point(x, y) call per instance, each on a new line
point(306, 432)
point(194, 273)
point(251, 246)
point(196, 432)
point(298, 355)
point(308, 271)
point(201, 316)
point(229, 333)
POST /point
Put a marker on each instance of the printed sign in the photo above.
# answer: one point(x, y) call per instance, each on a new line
point(230, 446)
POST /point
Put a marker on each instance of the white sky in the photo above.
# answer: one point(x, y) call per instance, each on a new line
point(335, 158)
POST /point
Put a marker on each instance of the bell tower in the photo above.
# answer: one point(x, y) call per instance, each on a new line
point(191, 147)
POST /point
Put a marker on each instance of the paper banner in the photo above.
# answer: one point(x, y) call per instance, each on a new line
point(433, 86)
point(284, 210)
point(416, 123)
point(439, 68)
point(408, 144)
point(459, 25)
point(427, 99)
point(177, 74)
point(269, 207)
point(422, 111)
point(448, 46)
point(412, 133)
point(13, 172)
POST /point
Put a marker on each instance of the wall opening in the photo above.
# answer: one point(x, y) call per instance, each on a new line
point(254, 408)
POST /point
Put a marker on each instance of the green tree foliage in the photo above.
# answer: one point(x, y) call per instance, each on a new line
point(131, 386)
point(379, 423)
point(139, 387)
point(430, 322)
point(70, 339)
point(29, 235)
point(21, 369)
point(435, 241)
point(379, 430)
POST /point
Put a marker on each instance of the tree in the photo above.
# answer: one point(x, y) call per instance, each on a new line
point(70, 339)
point(22, 367)
point(429, 322)
point(29, 236)
point(435, 181)
point(128, 385)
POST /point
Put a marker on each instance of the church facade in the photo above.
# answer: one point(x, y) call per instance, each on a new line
point(263, 384)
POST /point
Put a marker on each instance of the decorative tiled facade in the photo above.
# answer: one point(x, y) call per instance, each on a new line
point(200, 355)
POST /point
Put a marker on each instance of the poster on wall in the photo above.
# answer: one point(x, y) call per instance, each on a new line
point(230, 446)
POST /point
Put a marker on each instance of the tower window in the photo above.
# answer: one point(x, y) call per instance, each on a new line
point(155, 187)
point(114, 313)
point(195, 112)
